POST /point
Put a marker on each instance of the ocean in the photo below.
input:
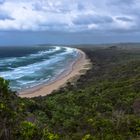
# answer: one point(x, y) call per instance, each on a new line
point(27, 67)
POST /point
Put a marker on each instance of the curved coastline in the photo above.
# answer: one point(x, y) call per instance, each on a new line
point(72, 71)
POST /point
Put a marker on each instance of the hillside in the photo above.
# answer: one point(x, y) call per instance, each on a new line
point(104, 104)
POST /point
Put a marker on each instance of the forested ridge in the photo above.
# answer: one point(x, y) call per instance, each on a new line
point(104, 104)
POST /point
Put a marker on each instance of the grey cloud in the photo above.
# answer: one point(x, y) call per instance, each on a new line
point(40, 6)
point(5, 16)
point(122, 2)
point(2, 1)
point(92, 19)
point(124, 19)
point(52, 26)
point(80, 6)
point(37, 7)
point(125, 31)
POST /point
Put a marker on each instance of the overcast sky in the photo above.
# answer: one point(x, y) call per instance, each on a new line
point(69, 21)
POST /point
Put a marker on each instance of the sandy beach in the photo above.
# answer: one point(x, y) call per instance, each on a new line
point(75, 70)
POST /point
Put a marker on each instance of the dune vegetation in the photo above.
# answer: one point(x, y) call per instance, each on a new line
point(104, 104)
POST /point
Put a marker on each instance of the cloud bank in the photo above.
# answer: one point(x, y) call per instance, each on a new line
point(70, 15)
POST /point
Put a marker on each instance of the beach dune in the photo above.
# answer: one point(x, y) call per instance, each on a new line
point(74, 71)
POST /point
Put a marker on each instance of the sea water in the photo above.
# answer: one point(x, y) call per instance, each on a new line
point(26, 67)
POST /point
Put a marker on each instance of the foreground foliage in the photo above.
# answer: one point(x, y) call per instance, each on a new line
point(104, 104)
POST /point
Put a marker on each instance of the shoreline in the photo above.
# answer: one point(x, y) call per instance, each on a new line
point(73, 71)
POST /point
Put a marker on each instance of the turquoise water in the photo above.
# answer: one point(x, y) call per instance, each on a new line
point(26, 67)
